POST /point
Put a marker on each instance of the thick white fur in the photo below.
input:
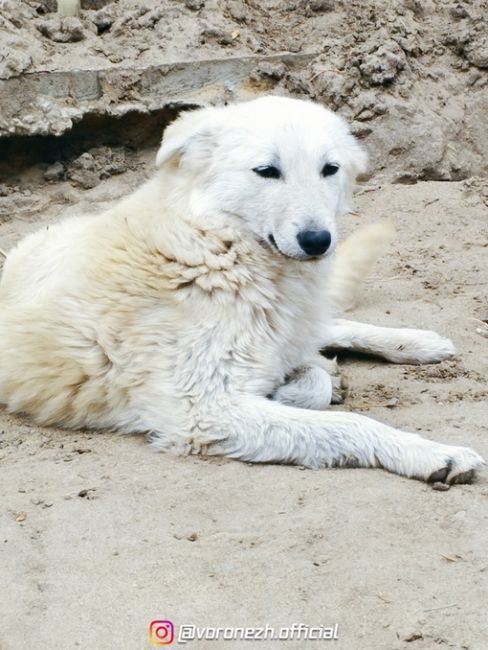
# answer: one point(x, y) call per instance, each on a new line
point(171, 314)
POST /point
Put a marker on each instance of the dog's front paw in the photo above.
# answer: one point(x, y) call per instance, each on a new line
point(435, 348)
point(422, 346)
point(449, 464)
point(308, 387)
point(458, 467)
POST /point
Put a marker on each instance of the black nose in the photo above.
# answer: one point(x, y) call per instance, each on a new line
point(314, 242)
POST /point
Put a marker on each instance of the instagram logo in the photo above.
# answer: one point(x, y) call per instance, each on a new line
point(161, 632)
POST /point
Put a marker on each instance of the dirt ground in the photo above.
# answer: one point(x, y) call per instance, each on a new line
point(100, 535)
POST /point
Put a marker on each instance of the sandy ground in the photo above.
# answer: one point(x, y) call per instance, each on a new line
point(100, 535)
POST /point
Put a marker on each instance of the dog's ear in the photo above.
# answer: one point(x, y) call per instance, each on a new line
point(357, 158)
point(354, 162)
point(193, 132)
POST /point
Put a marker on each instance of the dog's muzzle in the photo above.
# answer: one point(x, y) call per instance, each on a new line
point(314, 242)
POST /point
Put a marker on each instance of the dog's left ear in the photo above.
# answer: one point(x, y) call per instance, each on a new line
point(354, 162)
point(194, 132)
point(357, 158)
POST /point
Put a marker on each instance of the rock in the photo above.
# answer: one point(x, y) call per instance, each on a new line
point(405, 178)
point(194, 5)
point(360, 130)
point(62, 30)
point(87, 493)
point(13, 63)
point(458, 11)
point(87, 170)
point(368, 104)
point(82, 172)
point(55, 172)
point(237, 11)
point(477, 52)
point(148, 20)
point(43, 6)
point(298, 83)
point(220, 36)
point(415, 6)
point(382, 66)
point(85, 161)
point(16, 12)
point(5, 190)
point(94, 4)
point(334, 88)
point(104, 18)
point(413, 636)
point(271, 70)
point(441, 487)
point(365, 115)
point(319, 6)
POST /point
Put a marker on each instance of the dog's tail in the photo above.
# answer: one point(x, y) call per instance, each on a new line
point(354, 260)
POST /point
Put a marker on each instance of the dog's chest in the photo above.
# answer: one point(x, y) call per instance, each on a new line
point(298, 312)
point(279, 328)
point(256, 322)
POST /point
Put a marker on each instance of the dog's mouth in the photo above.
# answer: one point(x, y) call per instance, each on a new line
point(275, 247)
point(273, 243)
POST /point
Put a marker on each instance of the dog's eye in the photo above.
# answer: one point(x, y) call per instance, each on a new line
point(268, 171)
point(329, 169)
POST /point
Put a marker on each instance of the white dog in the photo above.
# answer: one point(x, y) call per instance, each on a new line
point(196, 308)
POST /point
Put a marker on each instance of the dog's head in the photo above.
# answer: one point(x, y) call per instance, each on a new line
point(285, 167)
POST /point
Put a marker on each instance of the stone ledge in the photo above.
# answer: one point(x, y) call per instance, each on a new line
point(42, 103)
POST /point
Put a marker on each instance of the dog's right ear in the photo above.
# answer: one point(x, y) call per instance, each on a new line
point(190, 138)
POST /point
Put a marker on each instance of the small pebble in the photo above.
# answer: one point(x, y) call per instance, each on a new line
point(440, 487)
point(414, 636)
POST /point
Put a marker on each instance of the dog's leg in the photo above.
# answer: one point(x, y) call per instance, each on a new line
point(308, 387)
point(261, 430)
point(313, 386)
point(399, 345)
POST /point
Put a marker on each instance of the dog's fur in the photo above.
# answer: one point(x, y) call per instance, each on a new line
point(173, 314)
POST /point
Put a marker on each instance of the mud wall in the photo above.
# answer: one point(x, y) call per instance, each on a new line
point(410, 76)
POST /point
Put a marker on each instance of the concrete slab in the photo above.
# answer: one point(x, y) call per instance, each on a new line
point(42, 103)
